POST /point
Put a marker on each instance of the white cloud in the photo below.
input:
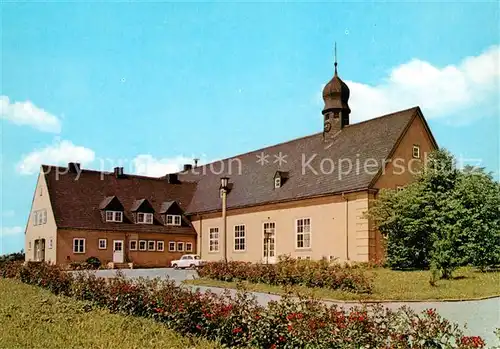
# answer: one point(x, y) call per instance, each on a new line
point(148, 165)
point(440, 92)
point(9, 231)
point(26, 113)
point(59, 153)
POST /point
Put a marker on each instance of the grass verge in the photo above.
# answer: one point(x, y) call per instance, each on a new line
point(34, 318)
point(467, 283)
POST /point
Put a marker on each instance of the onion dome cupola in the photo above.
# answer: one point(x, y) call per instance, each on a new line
point(336, 111)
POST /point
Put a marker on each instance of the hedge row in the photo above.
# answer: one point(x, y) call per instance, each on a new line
point(240, 322)
point(288, 271)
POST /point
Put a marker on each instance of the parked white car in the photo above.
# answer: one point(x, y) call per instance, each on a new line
point(187, 261)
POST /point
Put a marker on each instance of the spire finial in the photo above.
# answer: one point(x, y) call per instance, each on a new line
point(335, 58)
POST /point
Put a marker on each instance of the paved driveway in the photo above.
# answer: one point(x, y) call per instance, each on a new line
point(481, 317)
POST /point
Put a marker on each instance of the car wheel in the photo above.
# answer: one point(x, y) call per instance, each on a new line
point(175, 266)
point(192, 266)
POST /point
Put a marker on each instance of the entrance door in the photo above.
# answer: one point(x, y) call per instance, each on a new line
point(117, 251)
point(269, 243)
point(39, 249)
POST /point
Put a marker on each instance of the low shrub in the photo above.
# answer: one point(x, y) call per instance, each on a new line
point(288, 271)
point(93, 262)
point(239, 321)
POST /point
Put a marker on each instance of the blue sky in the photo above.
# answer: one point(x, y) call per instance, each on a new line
point(154, 85)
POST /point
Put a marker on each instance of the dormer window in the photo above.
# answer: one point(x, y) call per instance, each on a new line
point(114, 216)
point(144, 218)
point(277, 182)
point(280, 177)
point(173, 219)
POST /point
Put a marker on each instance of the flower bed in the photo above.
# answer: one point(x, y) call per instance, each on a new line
point(290, 271)
point(240, 322)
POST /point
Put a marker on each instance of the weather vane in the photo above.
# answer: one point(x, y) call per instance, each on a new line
point(335, 57)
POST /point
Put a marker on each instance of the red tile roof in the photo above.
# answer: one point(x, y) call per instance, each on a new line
point(76, 202)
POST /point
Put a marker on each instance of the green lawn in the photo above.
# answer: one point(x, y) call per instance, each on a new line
point(34, 318)
point(395, 285)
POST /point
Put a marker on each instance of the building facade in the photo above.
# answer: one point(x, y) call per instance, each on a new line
point(306, 198)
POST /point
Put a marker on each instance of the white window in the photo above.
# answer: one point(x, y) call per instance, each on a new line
point(29, 245)
point(44, 216)
point(35, 218)
point(213, 240)
point(171, 246)
point(303, 233)
point(160, 246)
point(103, 244)
point(189, 247)
point(40, 218)
point(114, 216)
point(173, 219)
point(180, 246)
point(145, 218)
point(133, 245)
point(277, 182)
point(269, 240)
point(51, 243)
point(41, 191)
point(151, 245)
point(416, 151)
point(239, 238)
point(78, 245)
point(142, 245)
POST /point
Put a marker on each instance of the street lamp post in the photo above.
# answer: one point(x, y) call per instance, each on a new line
point(223, 189)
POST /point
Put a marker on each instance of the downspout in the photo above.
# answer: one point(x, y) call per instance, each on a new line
point(346, 225)
point(200, 240)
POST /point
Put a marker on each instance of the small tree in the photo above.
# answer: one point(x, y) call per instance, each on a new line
point(476, 199)
point(445, 217)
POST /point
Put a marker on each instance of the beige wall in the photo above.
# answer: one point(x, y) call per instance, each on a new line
point(65, 252)
point(328, 229)
point(401, 172)
point(45, 231)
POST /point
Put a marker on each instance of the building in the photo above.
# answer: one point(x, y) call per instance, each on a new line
point(306, 198)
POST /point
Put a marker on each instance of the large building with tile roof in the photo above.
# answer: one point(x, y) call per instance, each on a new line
point(305, 198)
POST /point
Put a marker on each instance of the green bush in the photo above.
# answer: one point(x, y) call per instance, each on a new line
point(93, 262)
point(289, 271)
point(447, 217)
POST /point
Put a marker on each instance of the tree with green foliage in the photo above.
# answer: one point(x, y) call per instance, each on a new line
point(445, 218)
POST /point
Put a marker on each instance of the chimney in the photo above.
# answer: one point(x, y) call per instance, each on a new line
point(73, 167)
point(118, 172)
point(172, 178)
point(187, 167)
point(196, 162)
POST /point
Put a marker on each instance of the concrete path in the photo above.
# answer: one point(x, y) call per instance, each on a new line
point(482, 317)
